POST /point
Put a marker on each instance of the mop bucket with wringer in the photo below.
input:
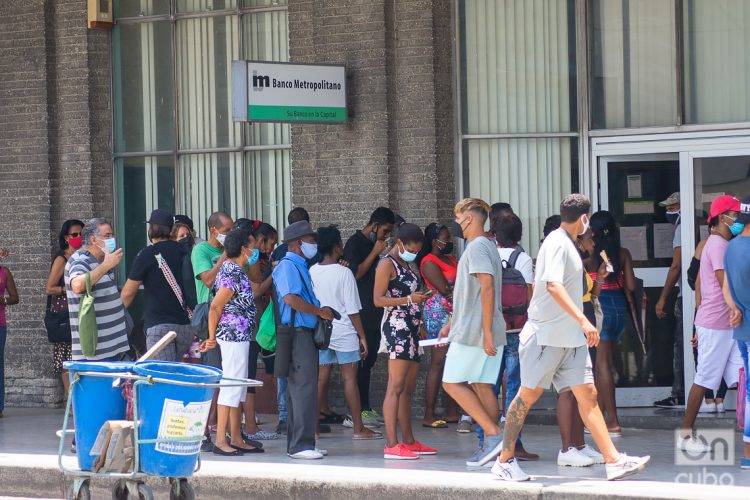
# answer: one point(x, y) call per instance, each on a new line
point(168, 411)
point(95, 401)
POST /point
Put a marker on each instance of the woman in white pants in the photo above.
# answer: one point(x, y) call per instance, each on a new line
point(231, 319)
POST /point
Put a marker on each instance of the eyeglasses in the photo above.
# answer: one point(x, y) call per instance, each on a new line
point(74, 235)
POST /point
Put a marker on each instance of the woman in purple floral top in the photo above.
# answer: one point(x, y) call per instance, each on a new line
point(231, 320)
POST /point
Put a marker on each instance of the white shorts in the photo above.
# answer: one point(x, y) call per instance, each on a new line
point(234, 360)
point(718, 357)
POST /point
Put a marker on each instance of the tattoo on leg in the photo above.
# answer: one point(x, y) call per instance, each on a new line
point(514, 422)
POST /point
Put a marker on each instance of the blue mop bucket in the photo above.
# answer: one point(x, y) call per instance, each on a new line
point(94, 402)
point(173, 411)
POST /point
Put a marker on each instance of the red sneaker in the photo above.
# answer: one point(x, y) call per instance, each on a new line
point(399, 452)
point(420, 449)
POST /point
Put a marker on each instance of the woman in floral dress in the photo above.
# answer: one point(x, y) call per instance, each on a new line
point(231, 320)
point(395, 290)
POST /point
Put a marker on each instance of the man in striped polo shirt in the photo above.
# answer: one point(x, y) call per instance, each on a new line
point(98, 257)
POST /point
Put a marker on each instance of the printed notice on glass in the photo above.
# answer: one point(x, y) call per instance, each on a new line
point(639, 207)
point(634, 239)
point(663, 240)
point(634, 186)
point(179, 421)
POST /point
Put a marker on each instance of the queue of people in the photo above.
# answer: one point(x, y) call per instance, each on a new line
point(500, 326)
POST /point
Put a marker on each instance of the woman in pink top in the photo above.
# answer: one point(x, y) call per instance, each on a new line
point(7, 286)
point(718, 354)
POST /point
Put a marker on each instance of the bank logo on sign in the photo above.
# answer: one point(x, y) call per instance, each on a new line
point(260, 81)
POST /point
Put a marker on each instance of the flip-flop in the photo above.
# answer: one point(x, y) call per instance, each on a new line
point(235, 453)
point(375, 435)
point(437, 424)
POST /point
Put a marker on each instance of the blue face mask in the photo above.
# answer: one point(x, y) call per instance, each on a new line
point(252, 259)
point(736, 228)
point(406, 255)
point(111, 243)
point(309, 250)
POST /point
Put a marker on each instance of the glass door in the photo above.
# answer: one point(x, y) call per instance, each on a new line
point(705, 175)
point(631, 188)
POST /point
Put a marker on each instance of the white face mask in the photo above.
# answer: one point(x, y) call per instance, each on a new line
point(309, 250)
point(586, 224)
point(406, 255)
point(220, 238)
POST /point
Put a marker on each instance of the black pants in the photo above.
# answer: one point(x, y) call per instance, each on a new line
point(371, 322)
point(252, 364)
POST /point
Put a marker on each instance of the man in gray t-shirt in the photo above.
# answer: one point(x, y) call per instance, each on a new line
point(553, 346)
point(477, 328)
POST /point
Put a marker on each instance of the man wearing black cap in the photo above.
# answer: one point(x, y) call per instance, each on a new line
point(299, 308)
point(159, 268)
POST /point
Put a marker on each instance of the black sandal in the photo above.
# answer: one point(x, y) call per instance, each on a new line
point(247, 450)
point(331, 418)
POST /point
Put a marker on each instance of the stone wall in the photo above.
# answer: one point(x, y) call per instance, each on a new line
point(397, 147)
point(55, 164)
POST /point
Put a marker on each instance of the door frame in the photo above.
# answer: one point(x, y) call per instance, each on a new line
point(687, 147)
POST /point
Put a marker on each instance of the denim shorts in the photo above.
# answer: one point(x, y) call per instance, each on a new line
point(331, 357)
point(615, 311)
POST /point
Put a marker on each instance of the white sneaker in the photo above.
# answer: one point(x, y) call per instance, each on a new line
point(626, 466)
point(707, 407)
point(306, 455)
point(720, 408)
point(573, 458)
point(594, 455)
point(509, 471)
point(322, 451)
point(348, 422)
point(692, 445)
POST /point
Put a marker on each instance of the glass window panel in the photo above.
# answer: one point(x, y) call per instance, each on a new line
point(143, 88)
point(269, 185)
point(143, 184)
point(533, 175)
point(518, 66)
point(263, 3)
point(633, 63)
point(205, 5)
point(206, 48)
point(717, 62)
point(211, 182)
point(136, 8)
point(266, 38)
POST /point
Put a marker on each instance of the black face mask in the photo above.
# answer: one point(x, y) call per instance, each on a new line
point(187, 241)
point(447, 249)
point(673, 218)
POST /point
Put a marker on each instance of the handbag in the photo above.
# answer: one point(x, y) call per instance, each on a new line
point(266, 334)
point(57, 324)
point(172, 282)
point(87, 329)
point(322, 334)
point(200, 320)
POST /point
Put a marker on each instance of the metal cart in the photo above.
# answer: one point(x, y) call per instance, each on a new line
point(130, 485)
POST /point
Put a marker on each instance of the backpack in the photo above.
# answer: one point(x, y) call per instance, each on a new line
point(514, 291)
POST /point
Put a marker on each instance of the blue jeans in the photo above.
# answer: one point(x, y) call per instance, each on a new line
point(744, 346)
point(512, 369)
point(281, 397)
point(3, 334)
point(615, 311)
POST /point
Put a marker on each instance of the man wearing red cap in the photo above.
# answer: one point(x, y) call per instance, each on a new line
point(718, 354)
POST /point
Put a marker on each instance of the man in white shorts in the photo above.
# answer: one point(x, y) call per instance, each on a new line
point(553, 346)
point(718, 354)
point(476, 333)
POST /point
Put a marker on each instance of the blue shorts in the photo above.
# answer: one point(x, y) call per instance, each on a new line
point(465, 363)
point(615, 311)
point(330, 357)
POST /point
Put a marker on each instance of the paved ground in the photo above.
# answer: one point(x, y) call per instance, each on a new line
point(28, 467)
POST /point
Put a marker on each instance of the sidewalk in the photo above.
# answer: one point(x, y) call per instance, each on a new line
point(28, 467)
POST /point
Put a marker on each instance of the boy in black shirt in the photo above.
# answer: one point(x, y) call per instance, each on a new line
point(362, 252)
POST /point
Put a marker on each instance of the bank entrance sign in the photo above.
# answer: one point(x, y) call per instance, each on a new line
point(287, 92)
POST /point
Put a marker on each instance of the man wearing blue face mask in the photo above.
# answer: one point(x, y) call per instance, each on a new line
point(97, 259)
point(300, 309)
point(158, 267)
